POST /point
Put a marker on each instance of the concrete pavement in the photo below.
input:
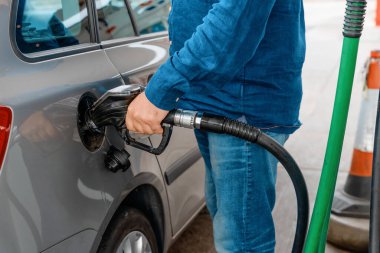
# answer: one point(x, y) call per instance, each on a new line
point(324, 21)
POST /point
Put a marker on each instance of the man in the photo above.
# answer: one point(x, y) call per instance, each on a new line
point(241, 59)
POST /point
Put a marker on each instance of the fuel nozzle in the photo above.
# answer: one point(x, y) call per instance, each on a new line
point(110, 109)
point(94, 114)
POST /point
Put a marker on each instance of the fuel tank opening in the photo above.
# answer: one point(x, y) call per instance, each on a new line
point(91, 136)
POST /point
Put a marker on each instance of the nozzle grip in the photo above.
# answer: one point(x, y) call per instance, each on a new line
point(168, 129)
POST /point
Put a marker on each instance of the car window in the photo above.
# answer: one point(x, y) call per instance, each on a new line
point(113, 19)
point(49, 24)
point(151, 15)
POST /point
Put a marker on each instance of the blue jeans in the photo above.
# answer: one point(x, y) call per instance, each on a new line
point(240, 192)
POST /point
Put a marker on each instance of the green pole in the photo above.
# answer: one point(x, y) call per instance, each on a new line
point(319, 222)
point(316, 238)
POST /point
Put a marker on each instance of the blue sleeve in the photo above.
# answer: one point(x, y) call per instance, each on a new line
point(220, 47)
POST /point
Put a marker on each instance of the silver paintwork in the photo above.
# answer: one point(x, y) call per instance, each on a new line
point(55, 195)
point(183, 198)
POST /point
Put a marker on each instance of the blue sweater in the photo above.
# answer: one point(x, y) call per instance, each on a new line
point(235, 58)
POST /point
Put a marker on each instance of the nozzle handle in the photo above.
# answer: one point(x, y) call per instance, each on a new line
point(168, 129)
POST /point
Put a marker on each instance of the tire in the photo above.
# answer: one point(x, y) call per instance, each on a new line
point(129, 229)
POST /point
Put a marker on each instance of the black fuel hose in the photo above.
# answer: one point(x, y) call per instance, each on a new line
point(223, 125)
point(299, 185)
point(112, 112)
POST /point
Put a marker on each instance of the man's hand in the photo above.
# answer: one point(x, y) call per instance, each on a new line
point(144, 117)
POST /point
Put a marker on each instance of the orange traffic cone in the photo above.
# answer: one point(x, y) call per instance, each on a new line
point(354, 199)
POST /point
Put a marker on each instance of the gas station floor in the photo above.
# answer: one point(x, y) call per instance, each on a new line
point(324, 21)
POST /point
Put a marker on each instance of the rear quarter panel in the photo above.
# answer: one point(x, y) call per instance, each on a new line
point(51, 187)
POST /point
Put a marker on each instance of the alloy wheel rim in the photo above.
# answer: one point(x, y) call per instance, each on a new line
point(134, 242)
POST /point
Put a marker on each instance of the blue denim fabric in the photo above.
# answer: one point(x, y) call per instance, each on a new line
point(235, 57)
point(240, 192)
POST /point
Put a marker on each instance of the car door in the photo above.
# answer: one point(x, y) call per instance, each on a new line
point(51, 187)
point(137, 53)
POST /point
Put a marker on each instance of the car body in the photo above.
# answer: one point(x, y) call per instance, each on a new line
point(55, 195)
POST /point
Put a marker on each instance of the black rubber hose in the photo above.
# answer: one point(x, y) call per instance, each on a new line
point(218, 124)
point(299, 184)
point(374, 242)
point(114, 114)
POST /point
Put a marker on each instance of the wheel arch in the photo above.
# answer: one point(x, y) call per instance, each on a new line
point(147, 199)
point(147, 194)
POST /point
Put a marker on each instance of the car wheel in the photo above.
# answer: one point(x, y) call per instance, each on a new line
point(129, 232)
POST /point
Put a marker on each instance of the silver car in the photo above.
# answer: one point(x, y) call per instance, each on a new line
point(55, 195)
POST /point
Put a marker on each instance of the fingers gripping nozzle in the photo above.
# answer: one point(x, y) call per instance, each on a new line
point(110, 110)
